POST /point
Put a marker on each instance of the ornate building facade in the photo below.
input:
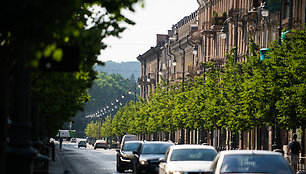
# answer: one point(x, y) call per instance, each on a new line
point(207, 35)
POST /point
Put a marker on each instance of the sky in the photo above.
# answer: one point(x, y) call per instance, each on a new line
point(157, 17)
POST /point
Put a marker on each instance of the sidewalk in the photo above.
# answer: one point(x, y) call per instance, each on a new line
point(58, 166)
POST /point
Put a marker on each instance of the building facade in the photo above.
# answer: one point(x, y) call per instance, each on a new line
point(207, 35)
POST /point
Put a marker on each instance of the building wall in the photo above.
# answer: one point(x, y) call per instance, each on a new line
point(243, 14)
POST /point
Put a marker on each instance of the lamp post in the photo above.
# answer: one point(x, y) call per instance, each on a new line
point(194, 48)
point(224, 35)
point(183, 81)
point(275, 144)
point(174, 62)
point(265, 14)
point(280, 23)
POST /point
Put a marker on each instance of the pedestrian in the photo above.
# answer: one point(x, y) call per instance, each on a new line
point(294, 149)
point(61, 142)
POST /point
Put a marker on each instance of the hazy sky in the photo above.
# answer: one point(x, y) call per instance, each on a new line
point(157, 17)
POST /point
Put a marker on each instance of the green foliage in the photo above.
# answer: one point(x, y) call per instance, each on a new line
point(288, 72)
point(32, 31)
point(241, 96)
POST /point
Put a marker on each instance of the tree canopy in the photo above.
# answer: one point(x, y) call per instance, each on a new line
point(67, 34)
point(238, 97)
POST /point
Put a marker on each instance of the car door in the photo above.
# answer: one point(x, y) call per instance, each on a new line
point(163, 163)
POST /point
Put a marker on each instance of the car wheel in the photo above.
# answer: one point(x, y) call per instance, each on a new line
point(118, 166)
point(135, 169)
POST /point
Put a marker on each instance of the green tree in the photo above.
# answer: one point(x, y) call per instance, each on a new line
point(287, 74)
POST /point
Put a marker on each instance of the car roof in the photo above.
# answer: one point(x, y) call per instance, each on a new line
point(246, 152)
point(128, 142)
point(157, 142)
point(191, 146)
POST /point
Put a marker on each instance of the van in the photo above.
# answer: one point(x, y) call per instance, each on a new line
point(127, 138)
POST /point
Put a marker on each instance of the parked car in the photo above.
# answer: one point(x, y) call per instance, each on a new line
point(73, 140)
point(127, 138)
point(82, 144)
point(187, 159)
point(146, 159)
point(250, 161)
point(100, 144)
point(125, 155)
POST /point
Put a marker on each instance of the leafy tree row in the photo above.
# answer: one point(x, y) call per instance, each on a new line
point(105, 89)
point(240, 96)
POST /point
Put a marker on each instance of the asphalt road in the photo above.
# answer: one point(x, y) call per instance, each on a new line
point(74, 160)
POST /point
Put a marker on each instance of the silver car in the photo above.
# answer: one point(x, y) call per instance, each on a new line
point(249, 161)
point(181, 159)
point(82, 144)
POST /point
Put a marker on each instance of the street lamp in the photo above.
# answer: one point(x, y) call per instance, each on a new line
point(174, 62)
point(265, 14)
point(224, 32)
point(148, 79)
point(195, 50)
point(160, 72)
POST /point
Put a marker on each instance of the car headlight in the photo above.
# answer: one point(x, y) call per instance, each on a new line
point(143, 162)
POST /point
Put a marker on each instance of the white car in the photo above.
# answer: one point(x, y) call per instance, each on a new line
point(100, 144)
point(180, 159)
point(249, 161)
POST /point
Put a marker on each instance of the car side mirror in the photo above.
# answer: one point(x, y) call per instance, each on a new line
point(135, 152)
point(162, 160)
point(118, 150)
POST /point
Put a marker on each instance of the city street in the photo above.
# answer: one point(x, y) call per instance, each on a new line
point(73, 160)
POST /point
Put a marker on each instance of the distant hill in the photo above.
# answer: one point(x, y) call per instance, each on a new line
point(126, 69)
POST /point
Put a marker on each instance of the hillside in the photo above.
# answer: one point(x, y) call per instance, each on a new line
point(126, 69)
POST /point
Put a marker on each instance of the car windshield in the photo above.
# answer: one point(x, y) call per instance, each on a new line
point(131, 146)
point(155, 148)
point(274, 164)
point(193, 155)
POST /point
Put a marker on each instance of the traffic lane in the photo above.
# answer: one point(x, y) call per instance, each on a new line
point(84, 160)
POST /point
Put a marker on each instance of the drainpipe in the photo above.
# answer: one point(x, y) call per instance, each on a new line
point(157, 64)
point(145, 79)
point(183, 65)
point(183, 79)
point(168, 67)
point(174, 57)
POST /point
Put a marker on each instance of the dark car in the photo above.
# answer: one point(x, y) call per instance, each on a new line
point(146, 159)
point(82, 144)
point(125, 155)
